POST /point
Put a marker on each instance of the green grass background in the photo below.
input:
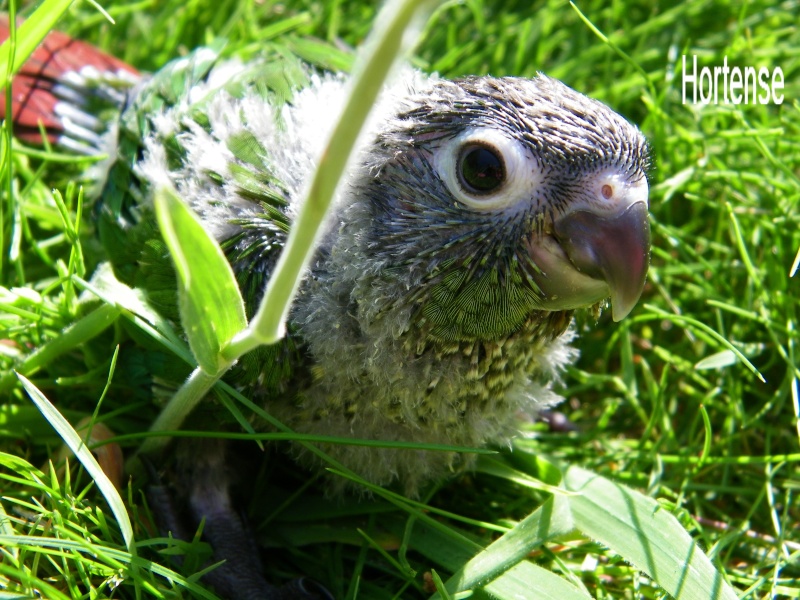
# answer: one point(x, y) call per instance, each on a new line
point(660, 400)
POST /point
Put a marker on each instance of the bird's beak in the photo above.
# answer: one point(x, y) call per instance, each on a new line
point(612, 248)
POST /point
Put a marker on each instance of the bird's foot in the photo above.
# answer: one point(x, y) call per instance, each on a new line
point(240, 576)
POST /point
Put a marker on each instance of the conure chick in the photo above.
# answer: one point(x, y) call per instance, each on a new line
point(478, 215)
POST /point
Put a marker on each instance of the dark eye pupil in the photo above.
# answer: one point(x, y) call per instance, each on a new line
point(481, 169)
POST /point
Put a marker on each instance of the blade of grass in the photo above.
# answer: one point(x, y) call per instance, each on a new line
point(390, 38)
point(29, 35)
point(75, 443)
point(549, 521)
point(708, 330)
point(644, 533)
point(76, 334)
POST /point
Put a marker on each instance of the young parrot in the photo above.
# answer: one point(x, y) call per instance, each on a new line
point(476, 217)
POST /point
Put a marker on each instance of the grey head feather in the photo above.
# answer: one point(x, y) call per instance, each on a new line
point(401, 226)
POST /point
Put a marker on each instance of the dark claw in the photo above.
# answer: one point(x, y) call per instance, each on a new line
point(558, 422)
point(305, 589)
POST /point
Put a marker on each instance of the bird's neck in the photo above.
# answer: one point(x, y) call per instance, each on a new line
point(489, 367)
point(376, 317)
point(423, 336)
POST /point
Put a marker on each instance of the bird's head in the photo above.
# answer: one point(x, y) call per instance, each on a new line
point(494, 198)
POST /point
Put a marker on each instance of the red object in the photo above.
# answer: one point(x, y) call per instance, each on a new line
point(33, 97)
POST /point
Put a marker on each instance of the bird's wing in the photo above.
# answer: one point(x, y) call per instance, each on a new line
point(73, 95)
point(239, 196)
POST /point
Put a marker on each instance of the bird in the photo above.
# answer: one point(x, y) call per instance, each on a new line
point(476, 217)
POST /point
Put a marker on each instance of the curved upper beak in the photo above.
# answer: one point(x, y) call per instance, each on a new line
point(612, 248)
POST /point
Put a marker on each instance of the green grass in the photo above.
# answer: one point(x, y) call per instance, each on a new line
point(663, 401)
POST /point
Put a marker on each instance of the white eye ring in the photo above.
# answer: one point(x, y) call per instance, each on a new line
point(515, 171)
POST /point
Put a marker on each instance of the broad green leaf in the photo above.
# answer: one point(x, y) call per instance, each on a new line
point(527, 580)
point(645, 534)
point(211, 306)
point(75, 443)
point(549, 521)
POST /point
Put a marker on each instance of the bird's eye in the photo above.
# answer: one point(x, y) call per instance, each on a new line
point(485, 169)
point(481, 169)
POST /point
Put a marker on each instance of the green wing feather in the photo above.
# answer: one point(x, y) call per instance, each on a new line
point(126, 223)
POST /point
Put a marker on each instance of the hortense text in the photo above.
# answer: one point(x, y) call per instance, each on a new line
point(731, 85)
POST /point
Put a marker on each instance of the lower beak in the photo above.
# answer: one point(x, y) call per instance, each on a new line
point(615, 249)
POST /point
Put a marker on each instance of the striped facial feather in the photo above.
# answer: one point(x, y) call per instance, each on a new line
point(477, 276)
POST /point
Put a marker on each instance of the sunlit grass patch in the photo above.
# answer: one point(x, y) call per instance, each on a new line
point(692, 400)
